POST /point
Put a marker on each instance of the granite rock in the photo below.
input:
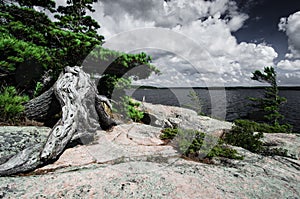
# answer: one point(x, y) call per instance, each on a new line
point(289, 142)
point(170, 116)
point(14, 139)
point(132, 162)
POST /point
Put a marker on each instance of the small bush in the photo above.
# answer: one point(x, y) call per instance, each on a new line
point(263, 127)
point(274, 151)
point(284, 128)
point(131, 109)
point(11, 105)
point(248, 134)
point(198, 145)
point(168, 133)
point(243, 135)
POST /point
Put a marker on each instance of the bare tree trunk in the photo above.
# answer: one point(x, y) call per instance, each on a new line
point(82, 114)
point(43, 108)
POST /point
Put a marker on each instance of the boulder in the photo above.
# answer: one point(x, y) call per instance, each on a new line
point(171, 116)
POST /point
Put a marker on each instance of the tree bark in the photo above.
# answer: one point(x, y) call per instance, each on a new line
point(43, 107)
point(82, 113)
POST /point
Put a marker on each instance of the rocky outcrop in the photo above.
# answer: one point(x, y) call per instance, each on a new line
point(131, 161)
point(169, 116)
point(120, 164)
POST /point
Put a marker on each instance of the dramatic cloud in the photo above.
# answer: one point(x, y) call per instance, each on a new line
point(291, 26)
point(291, 65)
point(118, 16)
point(219, 59)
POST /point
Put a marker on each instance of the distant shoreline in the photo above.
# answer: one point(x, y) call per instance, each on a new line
point(219, 88)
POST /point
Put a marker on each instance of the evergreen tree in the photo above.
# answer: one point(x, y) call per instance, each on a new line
point(29, 36)
point(73, 17)
point(271, 102)
point(47, 4)
point(30, 41)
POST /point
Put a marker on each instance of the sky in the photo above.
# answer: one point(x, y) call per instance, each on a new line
point(206, 43)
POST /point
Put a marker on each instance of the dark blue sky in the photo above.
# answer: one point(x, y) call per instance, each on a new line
point(262, 25)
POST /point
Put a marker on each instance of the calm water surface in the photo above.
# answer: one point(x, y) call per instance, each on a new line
point(229, 104)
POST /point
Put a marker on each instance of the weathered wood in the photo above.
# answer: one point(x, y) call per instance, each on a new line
point(82, 115)
point(24, 161)
point(105, 119)
point(43, 107)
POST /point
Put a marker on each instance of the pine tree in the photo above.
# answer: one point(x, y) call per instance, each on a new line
point(74, 17)
point(271, 102)
point(29, 39)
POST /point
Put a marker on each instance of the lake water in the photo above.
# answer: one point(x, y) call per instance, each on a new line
point(228, 104)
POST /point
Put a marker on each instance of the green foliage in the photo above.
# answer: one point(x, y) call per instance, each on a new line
point(198, 145)
point(11, 105)
point(111, 84)
point(169, 133)
point(274, 151)
point(196, 103)
point(118, 68)
point(73, 17)
point(248, 134)
point(245, 134)
point(38, 88)
point(18, 51)
point(28, 38)
point(29, 35)
point(131, 109)
point(270, 104)
point(261, 127)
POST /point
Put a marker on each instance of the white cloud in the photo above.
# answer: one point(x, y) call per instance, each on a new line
point(236, 60)
point(153, 13)
point(289, 65)
point(290, 78)
point(291, 26)
point(209, 24)
point(237, 22)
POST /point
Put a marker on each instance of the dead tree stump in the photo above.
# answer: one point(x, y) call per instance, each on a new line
point(82, 113)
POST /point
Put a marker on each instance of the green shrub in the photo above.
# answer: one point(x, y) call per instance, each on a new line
point(274, 151)
point(243, 135)
point(131, 109)
point(248, 134)
point(168, 133)
point(198, 145)
point(263, 127)
point(11, 105)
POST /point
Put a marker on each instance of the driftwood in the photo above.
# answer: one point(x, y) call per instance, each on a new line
point(82, 113)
